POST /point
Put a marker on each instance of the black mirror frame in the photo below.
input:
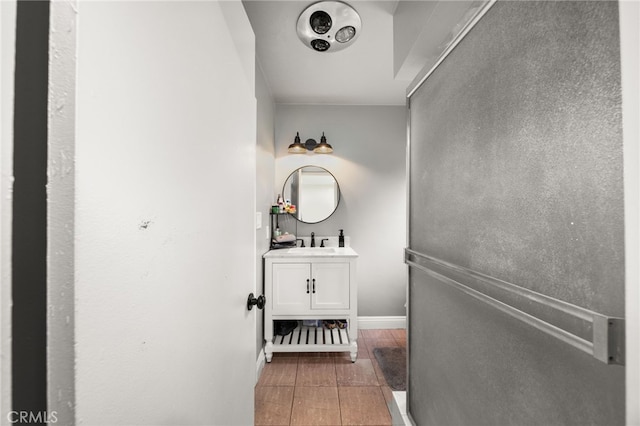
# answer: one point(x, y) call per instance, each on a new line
point(337, 184)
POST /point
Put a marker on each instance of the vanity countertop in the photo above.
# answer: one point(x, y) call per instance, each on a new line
point(312, 252)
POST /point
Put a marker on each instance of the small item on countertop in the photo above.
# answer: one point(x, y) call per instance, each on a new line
point(277, 233)
point(341, 239)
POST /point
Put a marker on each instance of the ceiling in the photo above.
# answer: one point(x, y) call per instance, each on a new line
point(362, 74)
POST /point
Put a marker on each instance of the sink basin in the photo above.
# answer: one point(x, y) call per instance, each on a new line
point(311, 251)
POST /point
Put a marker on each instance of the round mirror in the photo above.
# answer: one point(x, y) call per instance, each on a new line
point(314, 191)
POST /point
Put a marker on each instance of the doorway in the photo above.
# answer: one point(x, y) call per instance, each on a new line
point(29, 229)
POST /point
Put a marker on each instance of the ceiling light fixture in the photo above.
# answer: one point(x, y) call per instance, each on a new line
point(329, 26)
point(310, 145)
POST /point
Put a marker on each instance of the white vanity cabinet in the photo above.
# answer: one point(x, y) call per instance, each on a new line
point(300, 287)
point(311, 284)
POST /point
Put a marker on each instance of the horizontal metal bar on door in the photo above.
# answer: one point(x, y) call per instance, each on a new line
point(607, 344)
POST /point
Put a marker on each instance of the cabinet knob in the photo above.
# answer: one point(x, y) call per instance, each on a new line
point(258, 301)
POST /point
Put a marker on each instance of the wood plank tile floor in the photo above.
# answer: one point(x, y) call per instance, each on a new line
point(327, 388)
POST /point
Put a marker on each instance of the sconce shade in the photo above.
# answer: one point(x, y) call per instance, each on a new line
point(310, 145)
point(323, 147)
point(296, 147)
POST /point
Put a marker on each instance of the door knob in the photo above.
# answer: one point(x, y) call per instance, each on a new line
point(258, 301)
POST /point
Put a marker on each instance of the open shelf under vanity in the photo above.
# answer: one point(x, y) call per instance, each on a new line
point(313, 339)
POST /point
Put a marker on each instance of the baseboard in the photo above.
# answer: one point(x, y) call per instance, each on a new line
point(260, 362)
point(398, 409)
point(367, 323)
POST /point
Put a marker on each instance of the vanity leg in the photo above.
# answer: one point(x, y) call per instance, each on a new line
point(353, 335)
point(354, 351)
point(268, 351)
point(268, 335)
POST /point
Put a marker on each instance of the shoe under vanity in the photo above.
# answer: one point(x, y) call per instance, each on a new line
point(307, 284)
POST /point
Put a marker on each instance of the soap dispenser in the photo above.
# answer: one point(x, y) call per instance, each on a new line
point(341, 239)
point(280, 203)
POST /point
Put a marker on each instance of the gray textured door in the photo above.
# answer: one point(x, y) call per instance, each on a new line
point(516, 176)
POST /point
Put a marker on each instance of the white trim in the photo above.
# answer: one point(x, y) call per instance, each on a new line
point(7, 82)
point(61, 281)
point(398, 409)
point(368, 323)
point(630, 67)
point(260, 362)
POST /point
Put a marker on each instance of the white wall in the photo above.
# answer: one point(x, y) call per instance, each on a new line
point(265, 176)
point(7, 46)
point(408, 23)
point(164, 225)
point(369, 163)
point(423, 29)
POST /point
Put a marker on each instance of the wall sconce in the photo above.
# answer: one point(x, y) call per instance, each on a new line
point(310, 145)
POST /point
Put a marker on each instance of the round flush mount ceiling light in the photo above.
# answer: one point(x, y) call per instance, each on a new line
point(329, 26)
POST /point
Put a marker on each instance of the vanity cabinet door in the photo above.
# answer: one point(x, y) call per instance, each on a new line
point(330, 286)
point(291, 288)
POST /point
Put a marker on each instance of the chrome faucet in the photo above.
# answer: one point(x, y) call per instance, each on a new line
point(313, 239)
